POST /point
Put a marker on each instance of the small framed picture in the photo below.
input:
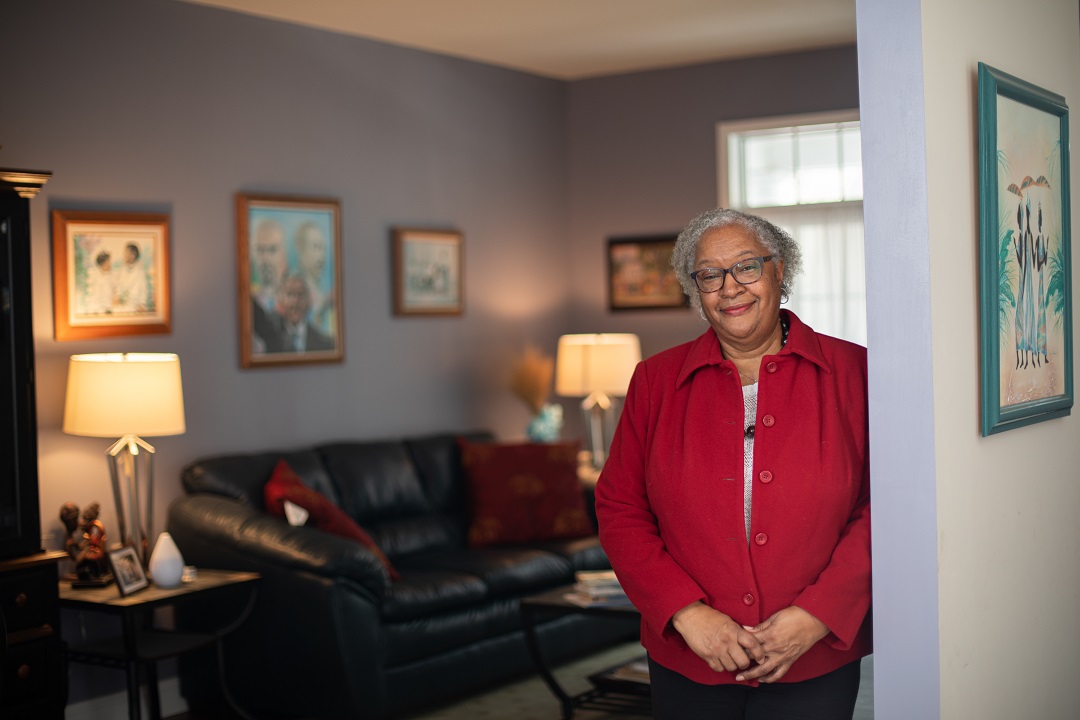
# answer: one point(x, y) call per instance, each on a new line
point(290, 294)
point(428, 272)
point(127, 570)
point(640, 276)
point(110, 274)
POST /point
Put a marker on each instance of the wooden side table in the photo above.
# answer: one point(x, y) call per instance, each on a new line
point(141, 645)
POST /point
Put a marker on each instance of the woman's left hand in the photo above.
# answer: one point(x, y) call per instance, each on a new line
point(785, 637)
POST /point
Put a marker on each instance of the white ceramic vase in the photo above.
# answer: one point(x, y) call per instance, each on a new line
point(166, 562)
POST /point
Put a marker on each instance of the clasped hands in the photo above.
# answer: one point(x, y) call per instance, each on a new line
point(764, 652)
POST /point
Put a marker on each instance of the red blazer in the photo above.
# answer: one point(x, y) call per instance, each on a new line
point(670, 498)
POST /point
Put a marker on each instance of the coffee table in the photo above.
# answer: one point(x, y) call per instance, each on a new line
point(609, 694)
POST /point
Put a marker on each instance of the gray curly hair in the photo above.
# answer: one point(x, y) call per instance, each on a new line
point(778, 242)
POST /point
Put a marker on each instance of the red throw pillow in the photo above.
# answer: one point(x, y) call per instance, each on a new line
point(284, 484)
point(524, 492)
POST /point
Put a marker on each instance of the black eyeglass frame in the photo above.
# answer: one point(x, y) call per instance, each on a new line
point(729, 271)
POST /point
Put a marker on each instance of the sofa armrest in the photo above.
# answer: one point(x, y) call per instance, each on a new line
point(216, 531)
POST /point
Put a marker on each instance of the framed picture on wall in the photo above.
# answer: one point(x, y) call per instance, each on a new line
point(1025, 253)
point(640, 276)
point(110, 274)
point(429, 273)
point(289, 280)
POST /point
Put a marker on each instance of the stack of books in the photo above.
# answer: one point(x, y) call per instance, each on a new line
point(596, 588)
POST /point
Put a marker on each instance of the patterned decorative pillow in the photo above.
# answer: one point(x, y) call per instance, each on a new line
point(284, 484)
point(524, 492)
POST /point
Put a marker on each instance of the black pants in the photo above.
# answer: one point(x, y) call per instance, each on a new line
point(829, 697)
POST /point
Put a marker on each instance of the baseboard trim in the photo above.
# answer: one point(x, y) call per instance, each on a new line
point(110, 707)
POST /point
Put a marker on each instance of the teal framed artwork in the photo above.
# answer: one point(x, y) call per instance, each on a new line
point(1025, 288)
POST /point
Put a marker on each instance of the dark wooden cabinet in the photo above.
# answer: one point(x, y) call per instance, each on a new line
point(20, 523)
point(33, 675)
point(33, 678)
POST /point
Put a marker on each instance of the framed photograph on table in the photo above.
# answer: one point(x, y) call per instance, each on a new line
point(429, 274)
point(128, 571)
point(110, 274)
point(1025, 254)
point(290, 291)
point(640, 276)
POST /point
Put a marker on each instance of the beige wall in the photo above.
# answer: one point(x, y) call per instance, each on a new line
point(1008, 532)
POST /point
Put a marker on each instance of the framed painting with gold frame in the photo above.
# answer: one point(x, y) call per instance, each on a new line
point(289, 280)
point(110, 274)
point(429, 272)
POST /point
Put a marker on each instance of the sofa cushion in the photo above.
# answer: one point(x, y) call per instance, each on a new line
point(242, 477)
point(524, 492)
point(423, 637)
point(505, 571)
point(438, 465)
point(380, 488)
point(423, 592)
point(375, 480)
point(285, 485)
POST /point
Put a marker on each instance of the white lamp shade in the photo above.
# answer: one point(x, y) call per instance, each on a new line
point(117, 394)
point(600, 363)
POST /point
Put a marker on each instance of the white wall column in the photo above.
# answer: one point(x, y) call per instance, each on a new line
point(903, 475)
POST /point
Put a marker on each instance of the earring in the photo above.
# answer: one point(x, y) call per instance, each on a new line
point(784, 295)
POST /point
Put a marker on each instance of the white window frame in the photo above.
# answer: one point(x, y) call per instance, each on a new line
point(724, 129)
point(844, 316)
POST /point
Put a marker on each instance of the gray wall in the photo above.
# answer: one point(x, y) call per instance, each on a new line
point(153, 105)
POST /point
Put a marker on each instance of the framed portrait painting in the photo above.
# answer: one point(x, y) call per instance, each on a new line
point(428, 272)
point(640, 276)
point(290, 294)
point(110, 274)
point(1025, 253)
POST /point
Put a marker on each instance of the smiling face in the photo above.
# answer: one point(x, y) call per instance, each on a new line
point(269, 249)
point(746, 318)
point(311, 247)
point(294, 299)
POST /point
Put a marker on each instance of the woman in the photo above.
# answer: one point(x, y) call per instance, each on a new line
point(735, 502)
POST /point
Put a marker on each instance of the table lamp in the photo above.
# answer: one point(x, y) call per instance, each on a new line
point(127, 395)
point(597, 367)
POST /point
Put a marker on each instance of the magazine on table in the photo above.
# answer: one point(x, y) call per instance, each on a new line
point(586, 601)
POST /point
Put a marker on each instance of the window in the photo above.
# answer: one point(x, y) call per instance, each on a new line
point(805, 174)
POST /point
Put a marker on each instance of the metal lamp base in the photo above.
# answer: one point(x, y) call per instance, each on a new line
point(134, 499)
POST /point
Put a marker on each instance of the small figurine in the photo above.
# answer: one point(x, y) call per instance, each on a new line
point(69, 515)
point(85, 544)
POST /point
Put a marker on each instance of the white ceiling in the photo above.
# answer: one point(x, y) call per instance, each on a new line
point(574, 39)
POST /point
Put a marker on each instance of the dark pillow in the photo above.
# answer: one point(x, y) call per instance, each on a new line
point(284, 484)
point(521, 493)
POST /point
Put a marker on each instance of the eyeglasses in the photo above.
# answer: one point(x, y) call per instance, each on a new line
point(748, 271)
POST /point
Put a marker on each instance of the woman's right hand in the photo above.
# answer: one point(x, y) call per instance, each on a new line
point(716, 638)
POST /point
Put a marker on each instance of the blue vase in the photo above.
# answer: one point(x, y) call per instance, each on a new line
point(546, 424)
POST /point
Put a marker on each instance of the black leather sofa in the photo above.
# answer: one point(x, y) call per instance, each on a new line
point(331, 636)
